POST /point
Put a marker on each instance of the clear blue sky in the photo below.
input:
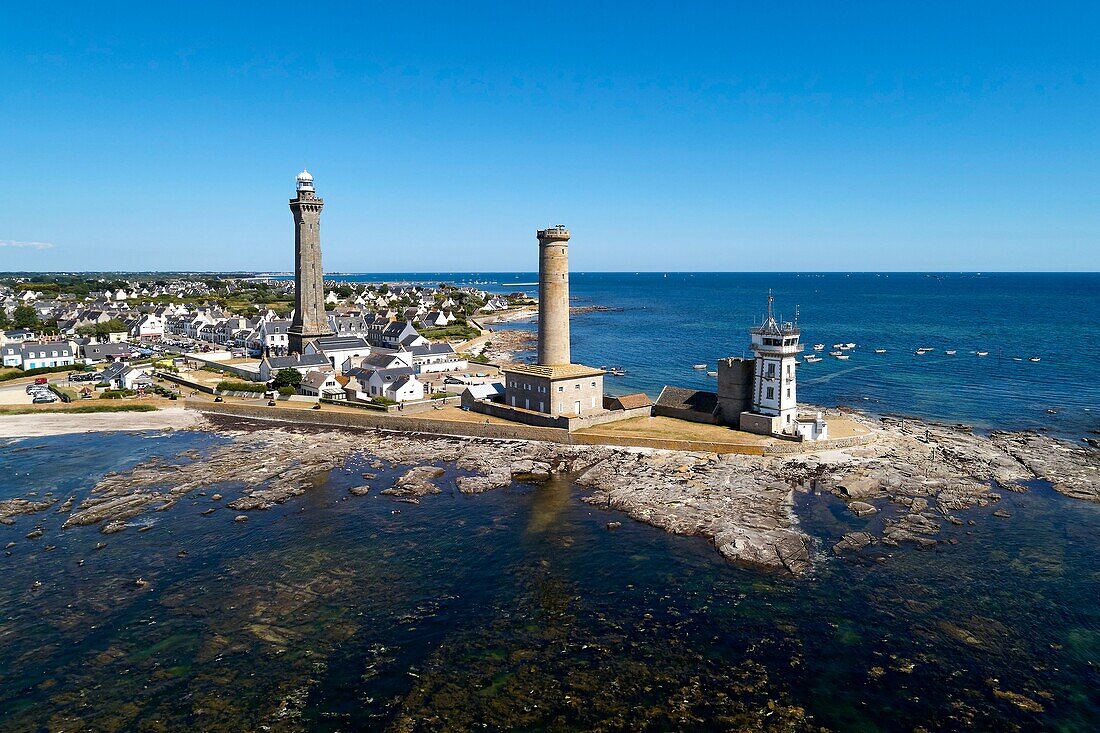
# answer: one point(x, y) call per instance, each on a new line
point(684, 136)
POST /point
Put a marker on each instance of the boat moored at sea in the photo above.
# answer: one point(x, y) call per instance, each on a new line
point(819, 347)
point(950, 352)
point(1033, 358)
point(880, 351)
point(982, 353)
point(700, 367)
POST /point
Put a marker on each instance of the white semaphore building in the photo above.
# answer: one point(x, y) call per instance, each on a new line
point(775, 346)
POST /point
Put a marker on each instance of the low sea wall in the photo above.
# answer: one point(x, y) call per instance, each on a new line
point(370, 420)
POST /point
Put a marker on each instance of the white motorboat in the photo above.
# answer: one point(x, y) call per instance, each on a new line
point(842, 357)
point(849, 345)
point(699, 366)
point(1033, 358)
point(880, 351)
point(838, 346)
point(819, 347)
point(812, 359)
point(950, 352)
point(836, 353)
point(712, 374)
point(982, 353)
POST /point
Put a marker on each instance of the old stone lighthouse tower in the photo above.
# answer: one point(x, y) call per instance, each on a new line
point(554, 386)
point(310, 320)
point(553, 296)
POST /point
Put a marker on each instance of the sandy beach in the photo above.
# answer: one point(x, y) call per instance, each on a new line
point(60, 423)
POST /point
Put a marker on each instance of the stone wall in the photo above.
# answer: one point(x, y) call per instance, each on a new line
point(538, 419)
point(496, 431)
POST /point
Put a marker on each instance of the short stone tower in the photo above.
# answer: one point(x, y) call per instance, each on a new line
point(310, 321)
point(553, 296)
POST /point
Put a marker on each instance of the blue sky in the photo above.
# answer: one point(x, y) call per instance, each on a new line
point(686, 136)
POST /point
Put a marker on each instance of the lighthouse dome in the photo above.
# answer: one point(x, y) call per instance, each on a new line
point(305, 181)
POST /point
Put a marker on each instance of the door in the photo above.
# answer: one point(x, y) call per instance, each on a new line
point(577, 407)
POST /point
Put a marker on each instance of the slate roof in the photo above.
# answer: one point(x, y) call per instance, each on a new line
point(681, 398)
point(297, 362)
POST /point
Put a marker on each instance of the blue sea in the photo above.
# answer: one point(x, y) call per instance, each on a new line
point(665, 323)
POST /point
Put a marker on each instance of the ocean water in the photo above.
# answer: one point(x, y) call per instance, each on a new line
point(518, 609)
point(665, 323)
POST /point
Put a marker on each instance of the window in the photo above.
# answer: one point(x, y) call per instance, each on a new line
point(561, 388)
point(593, 384)
point(576, 386)
point(771, 393)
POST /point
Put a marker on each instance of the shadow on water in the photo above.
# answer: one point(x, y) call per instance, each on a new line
point(519, 609)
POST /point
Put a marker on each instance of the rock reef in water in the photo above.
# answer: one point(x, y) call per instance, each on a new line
point(742, 504)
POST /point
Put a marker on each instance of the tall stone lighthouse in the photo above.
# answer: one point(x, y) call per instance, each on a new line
point(310, 321)
point(553, 296)
point(554, 385)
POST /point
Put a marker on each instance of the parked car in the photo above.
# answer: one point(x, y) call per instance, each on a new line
point(43, 399)
point(40, 380)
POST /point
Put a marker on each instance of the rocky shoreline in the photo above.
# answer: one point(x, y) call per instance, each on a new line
point(922, 474)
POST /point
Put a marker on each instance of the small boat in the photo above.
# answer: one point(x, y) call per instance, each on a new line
point(836, 353)
point(616, 371)
point(849, 345)
point(699, 366)
point(880, 351)
point(712, 374)
point(819, 347)
point(812, 359)
point(839, 346)
point(843, 357)
point(950, 352)
point(1033, 358)
point(982, 353)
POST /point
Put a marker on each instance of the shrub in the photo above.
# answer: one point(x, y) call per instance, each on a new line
point(286, 390)
point(41, 370)
point(383, 401)
point(287, 378)
point(117, 394)
point(229, 385)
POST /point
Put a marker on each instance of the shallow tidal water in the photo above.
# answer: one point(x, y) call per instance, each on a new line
point(520, 609)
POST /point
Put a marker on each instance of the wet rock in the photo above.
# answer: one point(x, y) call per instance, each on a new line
point(862, 508)
point(240, 518)
point(209, 511)
point(1021, 701)
point(35, 533)
point(359, 490)
point(416, 482)
point(853, 542)
point(112, 527)
point(15, 507)
point(216, 497)
point(527, 469)
point(859, 486)
point(1002, 514)
point(614, 525)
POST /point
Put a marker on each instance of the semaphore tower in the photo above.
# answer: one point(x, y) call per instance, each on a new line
point(310, 321)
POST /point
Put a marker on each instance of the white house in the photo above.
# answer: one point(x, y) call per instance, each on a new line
point(38, 354)
point(304, 363)
point(321, 384)
point(399, 384)
point(339, 349)
point(273, 335)
point(429, 358)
